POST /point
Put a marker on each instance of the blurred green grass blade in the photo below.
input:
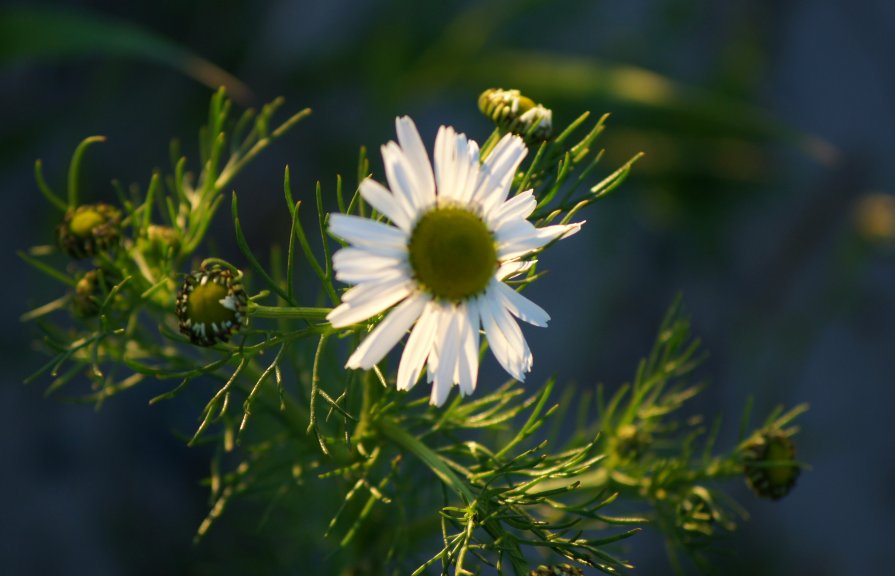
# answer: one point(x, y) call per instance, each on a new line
point(57, 34)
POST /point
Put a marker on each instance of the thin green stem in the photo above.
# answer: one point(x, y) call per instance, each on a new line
point(429, 457)
point(74, 168)
point(440, 468)
point(315, 388)
point(288, 312)
point(45, 188)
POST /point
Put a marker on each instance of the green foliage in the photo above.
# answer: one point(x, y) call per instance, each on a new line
point(501, 480)
point(165, 226)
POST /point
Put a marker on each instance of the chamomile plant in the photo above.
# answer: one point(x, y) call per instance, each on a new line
point(419, 274)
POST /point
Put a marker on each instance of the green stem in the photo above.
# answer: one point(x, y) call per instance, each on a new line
point(402, 438)
point(288, 312)
point(435, 463)
point(366, 403)
point(74, 168)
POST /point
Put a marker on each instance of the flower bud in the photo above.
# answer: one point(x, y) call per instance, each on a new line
point(164, 236)
point(695, 511)
point(89, 229)
point(159, 242)
point(211, 305)
point(515, 113)
point(92, 289)
point(85, 301)
point(770, 467)
point(631, 442)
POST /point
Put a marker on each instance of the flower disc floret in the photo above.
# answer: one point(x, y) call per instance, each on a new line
point(211, 305)
point(452, 253)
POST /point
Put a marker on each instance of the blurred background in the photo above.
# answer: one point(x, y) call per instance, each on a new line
point(765, 198)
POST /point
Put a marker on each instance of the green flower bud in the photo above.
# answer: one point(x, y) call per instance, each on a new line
point(159, 242)
point(89, 229)
point(556, 570)
point(695, 512)
point(631, 442)
point(211, 305)
point(91, 290)
point(163, 236)
point(515, 113)
point(85, 301)
point(769, 464)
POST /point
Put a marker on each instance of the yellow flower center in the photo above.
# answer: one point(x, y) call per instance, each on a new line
point(452, 253)
point(204, 304)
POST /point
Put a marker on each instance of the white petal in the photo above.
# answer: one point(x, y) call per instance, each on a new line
point(442, 320)
point(370, 273)
point(460, 168)
point(375, 290)
point(353, 263)
point(448, 347)
point(445, 149)
point(401, 179)
point(432, 364)
point(498, 343)
point(519, 207)
point(468, 364)
point(514, 336)
point(520, 306)
point(368, 300)
point(468, 187)
point(519, 237)
point(418, 347)
point(498, 170)
point(514, 268)
point(384, 337)
point(376, 236)
point(465, 166)
point(505, 338)
point(567, 230)
point(413, 148)
point(381, 199)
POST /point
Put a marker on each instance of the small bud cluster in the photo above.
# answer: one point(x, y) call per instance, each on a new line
point(89, 229)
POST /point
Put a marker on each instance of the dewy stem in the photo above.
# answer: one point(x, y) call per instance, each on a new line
point(287, 312)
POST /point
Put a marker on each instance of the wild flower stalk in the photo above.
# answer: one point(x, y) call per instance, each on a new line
point(434, 262)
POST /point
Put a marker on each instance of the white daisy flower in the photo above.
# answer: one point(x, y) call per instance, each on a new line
point(455, 238)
